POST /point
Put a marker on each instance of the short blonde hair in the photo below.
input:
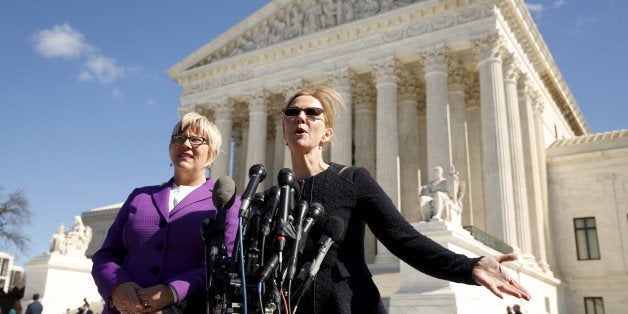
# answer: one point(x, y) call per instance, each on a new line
point(200, 125)
point(329, 98)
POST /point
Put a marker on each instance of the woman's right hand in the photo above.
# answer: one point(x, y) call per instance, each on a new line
point(125, 299)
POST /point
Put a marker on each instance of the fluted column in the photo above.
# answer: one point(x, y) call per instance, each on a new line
point(437, 109)
point(365, 126)
point(520, 191)
point(258, 115)
point(364, 146)
point(495, 144)
point(542, 223)
point(459, 138)
point(387, 140)
point(532, 173)
point(476, 214)
point(224, 122)
point(408, 144)
point(341, 148)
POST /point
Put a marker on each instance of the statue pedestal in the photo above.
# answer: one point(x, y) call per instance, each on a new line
point(62, 282)
point(420, 293)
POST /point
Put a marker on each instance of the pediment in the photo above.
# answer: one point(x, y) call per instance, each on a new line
point(283, 20)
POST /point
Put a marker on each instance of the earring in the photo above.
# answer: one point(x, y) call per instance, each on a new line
point(170, 164)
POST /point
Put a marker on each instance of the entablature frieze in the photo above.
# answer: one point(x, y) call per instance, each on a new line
point(199, 79)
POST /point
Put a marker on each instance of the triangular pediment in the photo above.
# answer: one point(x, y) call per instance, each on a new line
point(283, 20)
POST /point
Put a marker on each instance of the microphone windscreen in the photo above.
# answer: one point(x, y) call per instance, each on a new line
point(224, 192)
point(334, 228)
point(258, 170)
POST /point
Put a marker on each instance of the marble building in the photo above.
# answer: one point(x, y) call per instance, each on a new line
point(464, 84)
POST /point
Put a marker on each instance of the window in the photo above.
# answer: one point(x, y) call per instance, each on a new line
point(586, 238)
point(593, 305)
point(4, 266)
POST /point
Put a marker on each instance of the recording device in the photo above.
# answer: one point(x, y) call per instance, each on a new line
point(273, 227)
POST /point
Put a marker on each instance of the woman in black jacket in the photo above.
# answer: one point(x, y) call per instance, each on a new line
point(343, 283)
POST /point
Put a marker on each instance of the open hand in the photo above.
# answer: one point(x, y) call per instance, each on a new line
point(489, 273)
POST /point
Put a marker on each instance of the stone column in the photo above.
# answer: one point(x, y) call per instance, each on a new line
point(224, 121)
point(364, 103)
point(476, 214)
point(520, 191)
point(341, 148)
point(532, 173)
point(258, 115)
point(544, 236)
point(437, 110)
point(387, 140)
point(364, 126)
point(495, 143)
point(408, 144)
point(459, 138)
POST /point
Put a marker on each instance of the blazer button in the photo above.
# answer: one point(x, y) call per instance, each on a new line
point(159, 247)
point(162, 224)
point(154, 270)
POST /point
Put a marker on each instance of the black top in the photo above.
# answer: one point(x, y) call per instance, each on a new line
point(344, 284)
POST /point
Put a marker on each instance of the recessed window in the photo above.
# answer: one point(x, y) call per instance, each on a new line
point(586, 238)
point(593, 305)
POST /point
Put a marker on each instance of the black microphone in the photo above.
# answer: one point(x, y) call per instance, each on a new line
point(300, 212)
point(257, 174)
point(333, 231)
point(316, 212)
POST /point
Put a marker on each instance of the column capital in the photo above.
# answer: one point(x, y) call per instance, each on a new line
point(457, 78)
point(436, 58)
point(408, 88)
point(257, 100)
point(384, 69)
point(364, 95)
point(223, 110)
point(511, 68)
point(488, 47)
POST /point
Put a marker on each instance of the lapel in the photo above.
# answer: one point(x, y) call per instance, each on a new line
point(203, 192)
point(160, 198)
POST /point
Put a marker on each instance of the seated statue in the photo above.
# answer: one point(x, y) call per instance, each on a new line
point(57, 243)
point(440, 198)
point(72, 242)
point(78, 237)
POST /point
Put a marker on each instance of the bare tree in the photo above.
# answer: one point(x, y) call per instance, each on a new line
point(14, 216)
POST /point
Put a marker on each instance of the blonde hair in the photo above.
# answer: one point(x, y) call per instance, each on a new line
point(329, 98)
point(200, 125)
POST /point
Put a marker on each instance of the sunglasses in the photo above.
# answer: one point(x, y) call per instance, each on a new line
point(310, 112)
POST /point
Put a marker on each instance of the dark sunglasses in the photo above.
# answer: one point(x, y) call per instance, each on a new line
point(295, 111)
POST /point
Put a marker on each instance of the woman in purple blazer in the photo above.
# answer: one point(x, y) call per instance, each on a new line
point(152, 258)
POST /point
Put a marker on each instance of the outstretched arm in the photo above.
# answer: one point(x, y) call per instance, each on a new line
point(489, 273)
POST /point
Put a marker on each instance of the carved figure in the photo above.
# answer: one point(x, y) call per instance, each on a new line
point(77, 238)
point(330, 9)
point(57, 243)
point(440, 198)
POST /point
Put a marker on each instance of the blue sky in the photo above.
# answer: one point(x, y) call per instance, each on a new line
point(86, 107)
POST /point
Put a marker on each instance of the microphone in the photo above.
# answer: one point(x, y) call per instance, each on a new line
point(300, 212)
point(223, 197)
point(333, 231)
point(315, 213)
point(257, 174)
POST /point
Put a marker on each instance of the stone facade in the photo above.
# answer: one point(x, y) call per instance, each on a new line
point(588, 178)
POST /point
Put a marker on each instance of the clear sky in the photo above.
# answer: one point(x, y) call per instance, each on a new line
point(86, 107)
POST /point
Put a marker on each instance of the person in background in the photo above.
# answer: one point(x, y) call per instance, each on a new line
point(35, 307)
point(343, 283)
point(517, 309)
point(16, 308)
point(509, 310)
point(152, 257)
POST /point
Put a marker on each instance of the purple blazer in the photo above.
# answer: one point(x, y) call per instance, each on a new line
point(150, 246)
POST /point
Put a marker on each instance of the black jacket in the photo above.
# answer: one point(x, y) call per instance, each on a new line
point(344, 283)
